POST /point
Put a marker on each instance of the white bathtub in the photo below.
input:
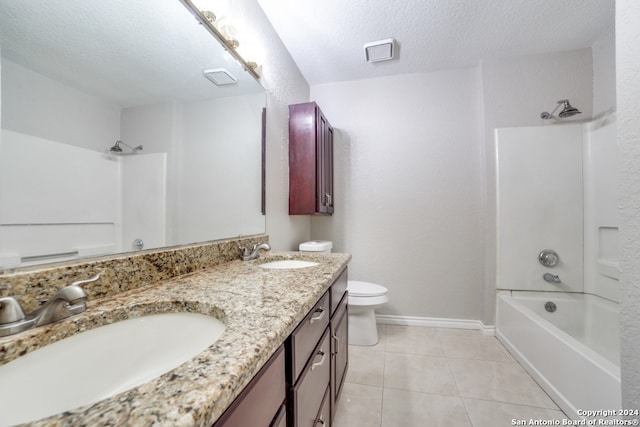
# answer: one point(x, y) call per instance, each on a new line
point(573, 352)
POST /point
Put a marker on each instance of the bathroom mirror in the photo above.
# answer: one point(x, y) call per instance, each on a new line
point(79, 75)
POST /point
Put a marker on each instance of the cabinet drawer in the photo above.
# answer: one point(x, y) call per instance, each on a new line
point(258, 404)
point(338, 289)
point(306, 336)
point(310, 390)
point(324, 416)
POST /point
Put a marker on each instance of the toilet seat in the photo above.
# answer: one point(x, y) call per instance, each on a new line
point(365, 289)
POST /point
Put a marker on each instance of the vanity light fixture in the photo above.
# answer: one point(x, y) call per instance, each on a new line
point(211, 22)
point(220, 76)
point(381, 50)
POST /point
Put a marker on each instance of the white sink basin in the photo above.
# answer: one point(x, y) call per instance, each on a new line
point(289, 263)
point(100, 363)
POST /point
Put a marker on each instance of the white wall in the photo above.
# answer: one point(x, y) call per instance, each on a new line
point(216, 137)
point(47, 109)
point(540, 206)
point(408, 188)
point(515, 91)
point(604, 74)
point(628, 105)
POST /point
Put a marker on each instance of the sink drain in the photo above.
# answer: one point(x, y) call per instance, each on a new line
point(550, 306)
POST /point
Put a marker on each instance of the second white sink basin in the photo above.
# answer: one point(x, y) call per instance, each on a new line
point(101, 363)
point(289, 263)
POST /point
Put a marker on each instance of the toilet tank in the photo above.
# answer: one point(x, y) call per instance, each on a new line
point(318, 246)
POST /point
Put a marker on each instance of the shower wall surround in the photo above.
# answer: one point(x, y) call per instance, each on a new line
point(540, 205)
point(121, 273)
point(556, 189)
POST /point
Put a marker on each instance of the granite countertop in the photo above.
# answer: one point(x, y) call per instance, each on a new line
point(259, 307)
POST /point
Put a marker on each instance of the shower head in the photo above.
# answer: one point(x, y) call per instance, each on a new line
point(567, 111)
point(118, 149)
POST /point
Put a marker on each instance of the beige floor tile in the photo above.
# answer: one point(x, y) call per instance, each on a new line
point(473, 347)
point(484, 413)
point(418, 373)
point(410, 409)
point(457, 331)
point(412, 340)
point(360, 406)
point(366, 366)
point(503, 382)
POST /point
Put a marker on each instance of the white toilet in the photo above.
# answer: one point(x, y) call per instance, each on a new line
point(364, 298)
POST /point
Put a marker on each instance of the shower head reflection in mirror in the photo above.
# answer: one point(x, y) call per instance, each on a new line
point(117, 149)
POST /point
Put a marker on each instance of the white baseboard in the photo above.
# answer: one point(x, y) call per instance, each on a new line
point(434, 322)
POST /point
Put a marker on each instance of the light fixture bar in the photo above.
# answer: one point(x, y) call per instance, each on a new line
point(218, 35)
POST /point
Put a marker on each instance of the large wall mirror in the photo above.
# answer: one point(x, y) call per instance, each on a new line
point(80, 75)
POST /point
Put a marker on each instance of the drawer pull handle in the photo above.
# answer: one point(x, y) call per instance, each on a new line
point(317, 316)
point(315, 365)
point(337, 346)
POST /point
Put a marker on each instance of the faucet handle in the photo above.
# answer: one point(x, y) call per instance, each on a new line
point(10, 310)
point(89, 280)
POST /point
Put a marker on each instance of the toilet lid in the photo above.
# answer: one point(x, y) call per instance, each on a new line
point(365, 289)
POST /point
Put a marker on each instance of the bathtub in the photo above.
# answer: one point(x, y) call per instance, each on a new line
point(573, 353)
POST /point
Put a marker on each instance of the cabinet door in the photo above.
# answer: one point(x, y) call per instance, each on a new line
point(324, 166)
point(258, 404)
point(339, 351)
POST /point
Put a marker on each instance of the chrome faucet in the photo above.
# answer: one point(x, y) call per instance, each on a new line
point(67, 302)
point(249, 254)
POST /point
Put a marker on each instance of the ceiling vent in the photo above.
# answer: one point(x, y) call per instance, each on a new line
point(220, 76)
point(382, 50)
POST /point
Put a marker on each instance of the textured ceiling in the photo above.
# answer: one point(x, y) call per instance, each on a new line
point(325, 38)
point(130, 52)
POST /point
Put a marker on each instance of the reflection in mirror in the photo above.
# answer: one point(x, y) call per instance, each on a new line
point(78, 76)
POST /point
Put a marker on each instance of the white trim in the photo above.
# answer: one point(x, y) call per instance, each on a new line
point(433, 322)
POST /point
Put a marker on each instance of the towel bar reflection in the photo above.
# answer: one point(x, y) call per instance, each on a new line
point(48, 256)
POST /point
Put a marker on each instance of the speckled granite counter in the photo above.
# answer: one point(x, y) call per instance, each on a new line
point(260, 308)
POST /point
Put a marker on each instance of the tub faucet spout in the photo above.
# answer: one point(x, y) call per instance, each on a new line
point(552, 278)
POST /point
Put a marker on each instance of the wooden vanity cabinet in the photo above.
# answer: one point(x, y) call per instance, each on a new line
point(262, 403)
point(315, 377)
point(310, 161)
point(300, 384)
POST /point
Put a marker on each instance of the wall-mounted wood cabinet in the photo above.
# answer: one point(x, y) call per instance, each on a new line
point(310, 161)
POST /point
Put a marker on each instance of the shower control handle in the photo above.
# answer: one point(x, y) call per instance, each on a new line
point(548, 258)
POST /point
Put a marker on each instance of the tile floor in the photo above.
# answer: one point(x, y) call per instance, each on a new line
point(420, 376)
